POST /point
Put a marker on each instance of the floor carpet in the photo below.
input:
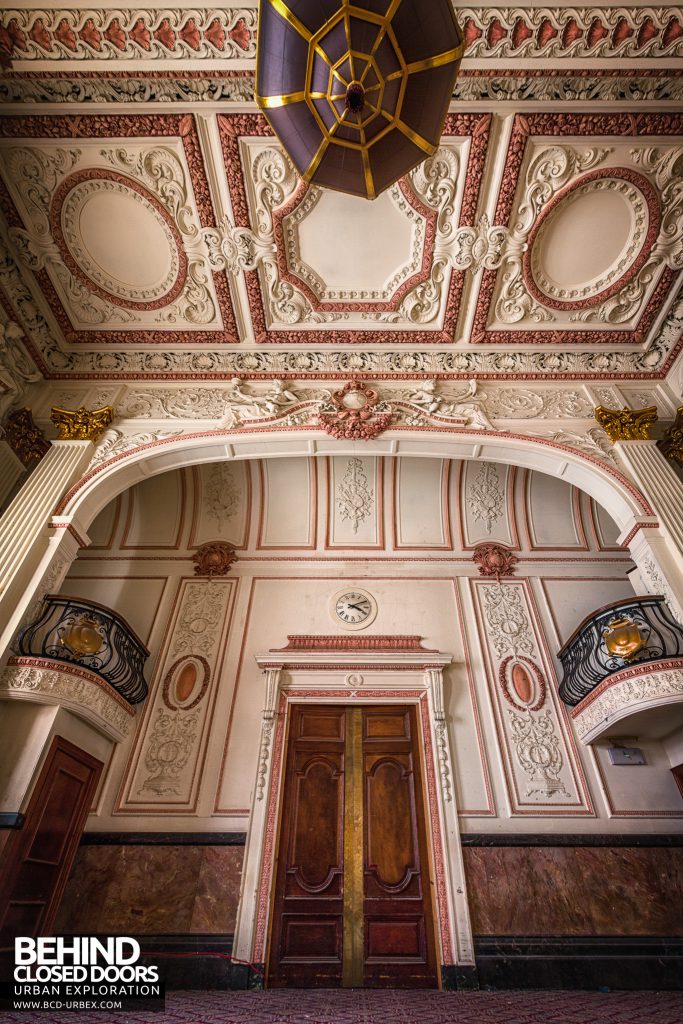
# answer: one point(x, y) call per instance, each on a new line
point(392, 1007)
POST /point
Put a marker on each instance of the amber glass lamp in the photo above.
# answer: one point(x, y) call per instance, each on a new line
point(357, 93)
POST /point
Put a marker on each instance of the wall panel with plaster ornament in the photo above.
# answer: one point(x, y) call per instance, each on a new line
point(165, 770)
point(486, 503)
point(355, 506)
point(543, 775)
point(222, 503)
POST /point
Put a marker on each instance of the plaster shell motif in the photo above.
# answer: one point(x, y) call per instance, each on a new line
point(540, 768)
point(80, 691)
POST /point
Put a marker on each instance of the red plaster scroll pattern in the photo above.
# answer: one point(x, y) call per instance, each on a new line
point(127, 126)
point(234, 126)
point(524, 127)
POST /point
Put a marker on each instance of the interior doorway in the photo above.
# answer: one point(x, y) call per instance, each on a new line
point(352, 897)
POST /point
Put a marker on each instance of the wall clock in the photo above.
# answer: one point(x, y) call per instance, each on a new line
point(353, 608)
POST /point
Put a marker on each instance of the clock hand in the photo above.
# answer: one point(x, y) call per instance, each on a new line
point(359, 607)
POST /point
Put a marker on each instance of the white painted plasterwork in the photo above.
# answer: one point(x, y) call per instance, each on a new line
point(624, 694)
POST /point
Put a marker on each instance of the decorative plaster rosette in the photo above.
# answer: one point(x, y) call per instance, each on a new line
point(84, 693)
point(641, 211)
point(68, 213)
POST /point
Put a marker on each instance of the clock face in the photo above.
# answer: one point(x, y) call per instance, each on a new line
point(353, 609)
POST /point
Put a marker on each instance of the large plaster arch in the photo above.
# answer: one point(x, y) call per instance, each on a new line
point(603, 482)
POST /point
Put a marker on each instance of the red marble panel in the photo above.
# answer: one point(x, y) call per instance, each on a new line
point(575, 890)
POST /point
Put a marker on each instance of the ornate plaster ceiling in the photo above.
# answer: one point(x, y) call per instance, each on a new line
point(151, 239)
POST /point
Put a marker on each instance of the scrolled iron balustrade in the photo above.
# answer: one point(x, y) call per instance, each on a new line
point(624, 633)
point(88, 634)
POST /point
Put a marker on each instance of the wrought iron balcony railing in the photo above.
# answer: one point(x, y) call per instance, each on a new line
point(88, 634)
point(629, 632)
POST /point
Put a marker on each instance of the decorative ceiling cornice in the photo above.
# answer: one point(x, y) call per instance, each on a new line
point(178, 34)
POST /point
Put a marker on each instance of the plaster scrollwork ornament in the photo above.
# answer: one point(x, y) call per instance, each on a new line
point(16, 369)
point(435, 182)
point(355, 498)
point(507, 620)
point(170, 745)
point(235, 248)
point(627, 424)
point(427, 400)
point(538, 752)
point(221, 493)
point(486, 496)
point(659, 584)
point(666, 167)
point(116, 442)
point(479, 248)
point(355, 412)
point(198, 626)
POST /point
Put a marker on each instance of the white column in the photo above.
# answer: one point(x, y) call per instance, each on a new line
point(245, 924)
point(456, 887)
point(11, 468)
point(26, 548)
point(660, 484)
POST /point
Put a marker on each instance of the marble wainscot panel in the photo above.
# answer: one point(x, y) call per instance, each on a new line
point(575, 891)
point(152, 890)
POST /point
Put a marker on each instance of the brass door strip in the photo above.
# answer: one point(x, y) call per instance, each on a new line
point(352, 968)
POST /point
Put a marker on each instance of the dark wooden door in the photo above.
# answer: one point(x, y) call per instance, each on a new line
point(37, 860)
point(352, 900)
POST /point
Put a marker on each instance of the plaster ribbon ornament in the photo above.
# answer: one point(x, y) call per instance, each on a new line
point(357, 93)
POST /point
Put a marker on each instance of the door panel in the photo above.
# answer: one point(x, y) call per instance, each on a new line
point(352, 901)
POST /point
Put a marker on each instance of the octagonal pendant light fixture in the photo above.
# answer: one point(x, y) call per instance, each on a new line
point(357, 93)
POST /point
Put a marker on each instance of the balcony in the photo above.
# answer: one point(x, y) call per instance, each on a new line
point(623, 671)
point(86, 634)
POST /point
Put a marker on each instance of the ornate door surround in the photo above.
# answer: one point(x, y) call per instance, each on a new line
point(355, 670)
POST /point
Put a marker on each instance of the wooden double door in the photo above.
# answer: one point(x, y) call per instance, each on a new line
point(352, 898)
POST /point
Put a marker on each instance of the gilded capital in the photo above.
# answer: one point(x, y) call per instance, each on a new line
point(672, 443)
point(626, 424)
point(81, 424)
point(24, 438)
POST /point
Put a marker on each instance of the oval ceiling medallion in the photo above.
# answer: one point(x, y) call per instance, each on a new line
point(522, 683)
point(186, 682)
point(118, 239)
point(591, 239)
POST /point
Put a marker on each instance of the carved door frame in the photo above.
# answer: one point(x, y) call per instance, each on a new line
point(353, 670)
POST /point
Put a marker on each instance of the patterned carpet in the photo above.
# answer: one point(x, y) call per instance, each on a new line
point(393, 1007)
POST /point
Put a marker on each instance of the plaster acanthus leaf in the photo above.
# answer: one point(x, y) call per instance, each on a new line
point(195, 304)
point(88, 307)
point(486, 496)
point(221, 493)
point(234, 248)
point(509, 626)
point(666, 166)
point(33, 249)
point(593, 442)
point(274, 179)
point(286, 304)
point(659, 583)
point(522, 403)
point(435, 182)
point(626, 303)
point(538, 752)
point(36, 175)
point(162, 173)
point(355, 499)
point(115, 442)
point(178, 403)
point(423, 303)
